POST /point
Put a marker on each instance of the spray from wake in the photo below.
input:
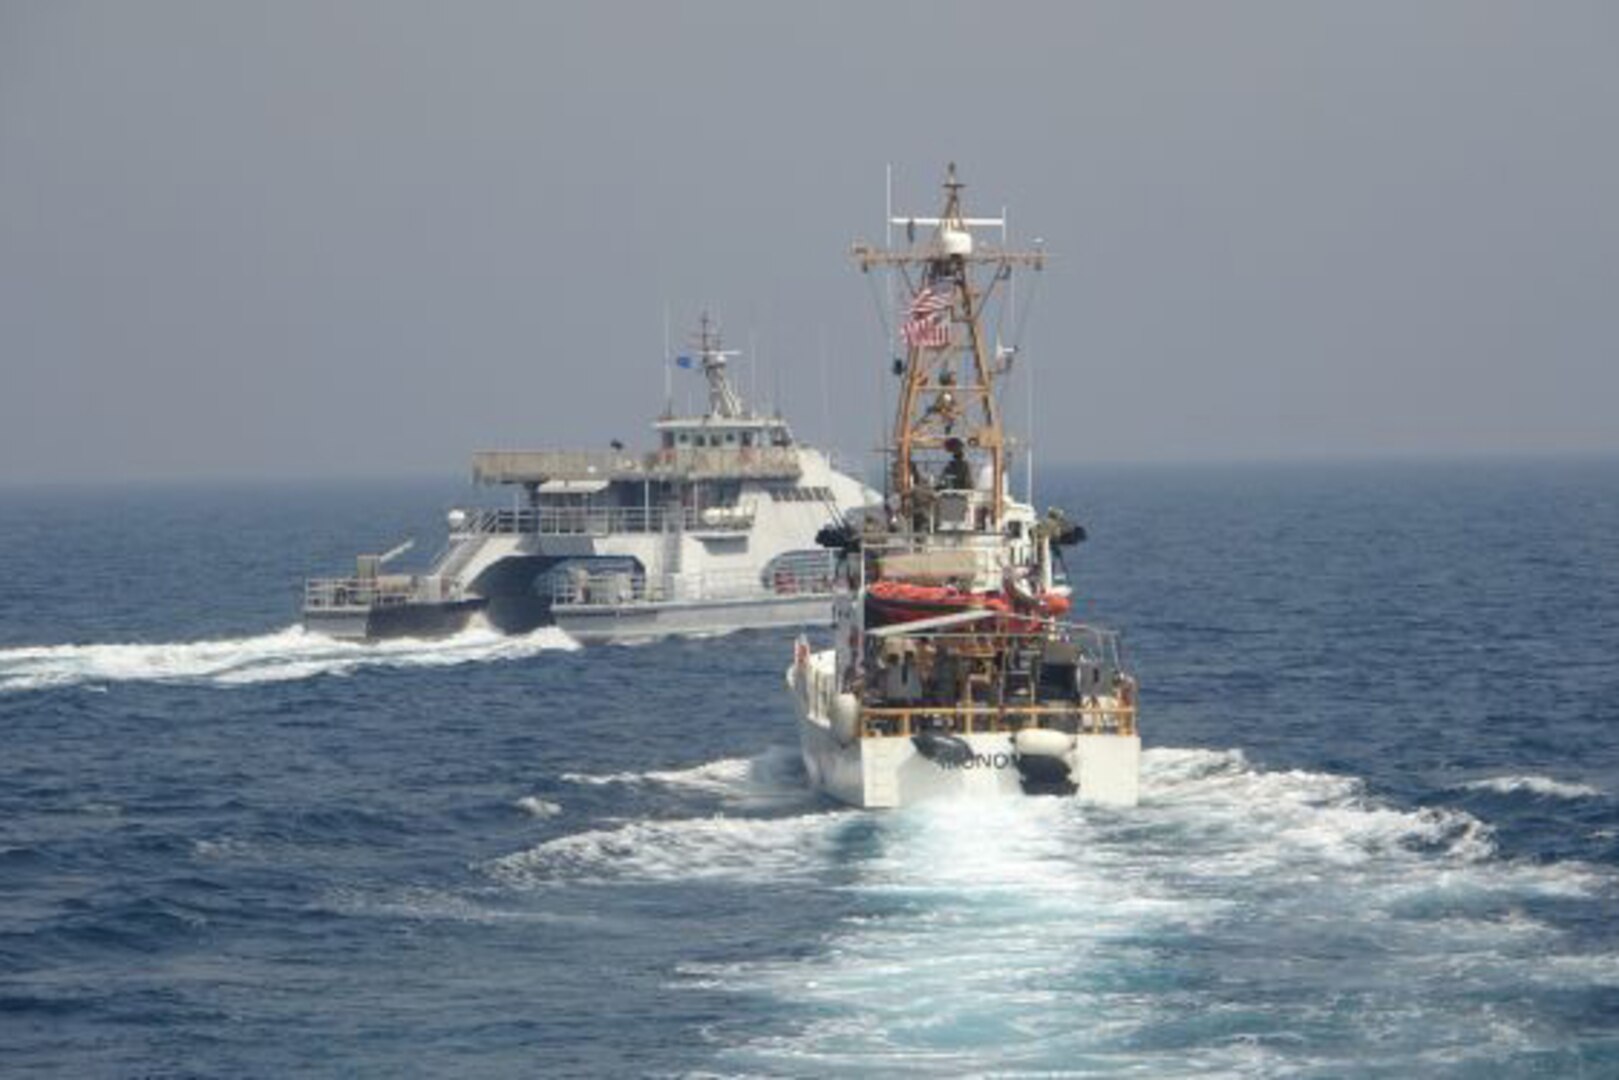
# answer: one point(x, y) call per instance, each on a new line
point(289, 654)
point(1199, 932)
point(774, 777)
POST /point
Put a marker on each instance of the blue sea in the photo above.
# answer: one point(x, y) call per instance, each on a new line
point(1379, 834)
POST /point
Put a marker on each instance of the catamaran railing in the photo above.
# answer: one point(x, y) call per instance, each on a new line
point(675, 463)
point(603, 521)
point(322, 594)
point(716, 585)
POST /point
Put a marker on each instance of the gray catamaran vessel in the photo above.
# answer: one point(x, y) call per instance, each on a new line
point(712, 530)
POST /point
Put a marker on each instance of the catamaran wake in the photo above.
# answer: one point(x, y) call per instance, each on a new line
point(289, 654)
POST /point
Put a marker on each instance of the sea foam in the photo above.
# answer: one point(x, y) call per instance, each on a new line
point(288, 654)
point(1002, 935)
point(1534, 785)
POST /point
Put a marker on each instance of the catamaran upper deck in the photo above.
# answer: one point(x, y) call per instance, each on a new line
point(669, 463)
point(729, 442)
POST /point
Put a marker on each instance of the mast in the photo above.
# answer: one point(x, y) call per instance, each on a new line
point(947, 427)
point(722, 400)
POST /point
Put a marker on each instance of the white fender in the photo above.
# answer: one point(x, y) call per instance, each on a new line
point(845, 717)
point(1043, 742)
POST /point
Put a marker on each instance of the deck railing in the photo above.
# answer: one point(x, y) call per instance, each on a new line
point(1073, 717)
point(360, 593)
point(354, 592)
point(622, 587)
point(536, 466)
point(603, 521)
point(1005, 685)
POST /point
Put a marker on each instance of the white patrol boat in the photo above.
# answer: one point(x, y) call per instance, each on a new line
point(952, 671)
point(712, 530)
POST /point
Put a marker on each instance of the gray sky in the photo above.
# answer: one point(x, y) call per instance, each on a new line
point(299, 239)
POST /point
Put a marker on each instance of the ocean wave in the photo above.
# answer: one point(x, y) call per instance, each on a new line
point(1534, 785)
point(289, 654)
point(774, 773)
point(426, 904)
point(687, 849)
point(1015, 916)
point(1204, 813)
point(1321, 817)
point(971, 934)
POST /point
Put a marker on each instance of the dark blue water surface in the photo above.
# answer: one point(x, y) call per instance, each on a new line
point(1379, 834)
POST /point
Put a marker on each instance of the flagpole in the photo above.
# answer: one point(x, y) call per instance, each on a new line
point(668, 374)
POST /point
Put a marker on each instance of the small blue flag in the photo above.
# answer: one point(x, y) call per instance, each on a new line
point(683, 361)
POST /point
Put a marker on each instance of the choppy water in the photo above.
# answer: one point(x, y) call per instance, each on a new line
point(1379, 836)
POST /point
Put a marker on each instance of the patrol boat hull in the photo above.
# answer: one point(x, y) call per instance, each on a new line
point(885, 772)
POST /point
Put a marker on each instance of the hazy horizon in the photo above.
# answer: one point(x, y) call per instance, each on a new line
point(290, 241)
point(868, 470)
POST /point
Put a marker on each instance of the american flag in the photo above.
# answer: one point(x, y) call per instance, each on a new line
point(928, 325)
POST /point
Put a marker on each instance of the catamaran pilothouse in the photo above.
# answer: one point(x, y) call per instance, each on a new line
point(952, 671)
point(710, 531)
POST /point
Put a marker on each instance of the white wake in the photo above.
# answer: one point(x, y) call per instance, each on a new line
point(1197, 933)
point(292, 653)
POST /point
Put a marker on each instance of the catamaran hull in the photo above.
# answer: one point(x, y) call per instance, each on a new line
point(393, 621)
point(602, 623)
point(895, 771)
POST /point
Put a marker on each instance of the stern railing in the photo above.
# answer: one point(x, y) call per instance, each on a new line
point(363, 593)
